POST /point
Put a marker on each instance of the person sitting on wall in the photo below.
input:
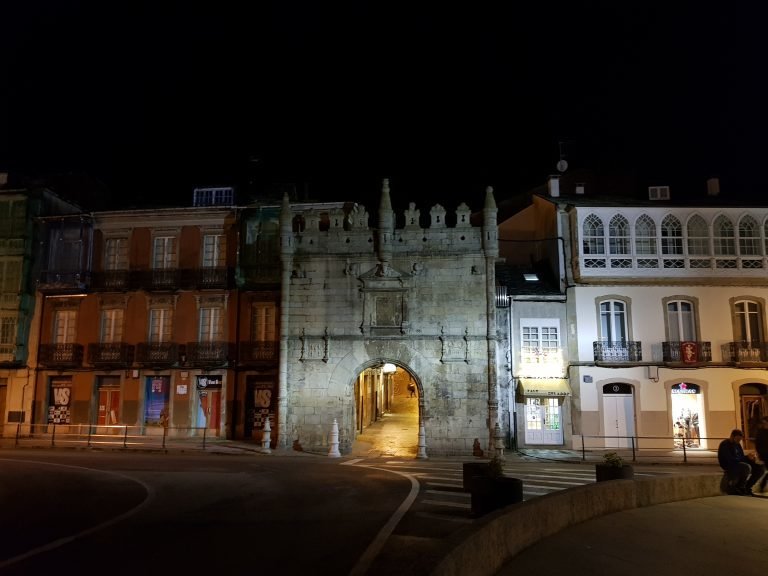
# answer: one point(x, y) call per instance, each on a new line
point(742, 471)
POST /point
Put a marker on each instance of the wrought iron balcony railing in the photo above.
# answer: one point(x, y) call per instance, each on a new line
point(687, 352)
point(624, 351)
point(111, 280)
point(254, 275)
point(61, 355)
point(744, 351)
point(208, 353)
point(53, 281)
point(115, 354)
point(259, 351)
point(157, 354)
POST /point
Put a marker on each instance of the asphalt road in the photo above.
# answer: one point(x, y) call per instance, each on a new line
point(89, 512)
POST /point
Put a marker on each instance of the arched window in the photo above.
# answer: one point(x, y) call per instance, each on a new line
point(671, 236)
point(618, 235)
point(698, 236)
point(724, 237)
point(749, 237)
point(613, 321)
point(645, 235)
point(594, 235)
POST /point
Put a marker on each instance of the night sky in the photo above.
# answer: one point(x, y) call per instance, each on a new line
point(154, 98)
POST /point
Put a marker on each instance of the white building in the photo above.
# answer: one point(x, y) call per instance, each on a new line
point(665, 314)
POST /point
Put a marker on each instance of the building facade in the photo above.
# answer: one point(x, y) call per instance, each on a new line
point(665, 314)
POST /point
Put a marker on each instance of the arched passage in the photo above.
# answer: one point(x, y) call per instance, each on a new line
point(388, 407)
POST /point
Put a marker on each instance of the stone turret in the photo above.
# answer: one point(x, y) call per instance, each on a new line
point(386, 223)
point(490, 227)
point(286, 226)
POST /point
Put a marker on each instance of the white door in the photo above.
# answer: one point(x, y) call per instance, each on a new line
point(619, 420)
point(543, 421)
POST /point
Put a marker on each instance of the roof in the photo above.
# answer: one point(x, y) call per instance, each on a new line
point(512, 277)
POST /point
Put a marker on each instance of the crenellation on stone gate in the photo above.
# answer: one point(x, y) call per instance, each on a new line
point(359, 296)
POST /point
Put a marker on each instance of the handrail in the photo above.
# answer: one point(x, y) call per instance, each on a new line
point(629, 447)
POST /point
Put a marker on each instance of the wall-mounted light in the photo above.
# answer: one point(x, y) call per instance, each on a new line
point(389, 368)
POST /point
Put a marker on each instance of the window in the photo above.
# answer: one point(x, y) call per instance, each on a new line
point(210, 325)
point(748, 320)
point(10, 276)
point(263, 322)
point(594, 235)
point(698, 237)
point(160, 325)
point(540, 342)
point(618, 233)
point(64, 326)
point(12, 218)
point(213, 250)
point(681, 324)
point(164, 252)
point(671, 236)
point(749, 237)
point(8, 330)
point(645, 235)
point(613, 321)
point(724, 237)
point(116, 254)
point(111, 329)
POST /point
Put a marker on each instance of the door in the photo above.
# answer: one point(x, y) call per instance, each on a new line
point(209, 410)
point(619, 419)
point(109, 406)
point(543, 421)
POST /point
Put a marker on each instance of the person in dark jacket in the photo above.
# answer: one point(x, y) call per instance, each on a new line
point(761, 447)
point(742, 471)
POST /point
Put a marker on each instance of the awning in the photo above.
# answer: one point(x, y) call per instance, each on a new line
point(545, 386)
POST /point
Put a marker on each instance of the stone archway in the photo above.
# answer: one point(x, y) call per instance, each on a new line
point(388, 409)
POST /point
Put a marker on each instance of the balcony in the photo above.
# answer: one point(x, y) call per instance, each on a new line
point(116, 354)
point(624, 351)
point(61, 355)
point(7, 353)
point(206, 278)
point(111, 281)
point(62, 281)
point(688, 352)
point(259, 351)
point(256, 275)
point(743, 351)
point(157, 354)
point(208, 353)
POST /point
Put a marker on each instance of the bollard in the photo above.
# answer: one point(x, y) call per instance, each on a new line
point(422, 451)
point(498, 443)
point(266, 437)
point(333, 451)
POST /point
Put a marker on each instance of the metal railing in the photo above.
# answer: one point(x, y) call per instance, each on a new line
point(624, 351)
point(116, 436)
point(658, 448)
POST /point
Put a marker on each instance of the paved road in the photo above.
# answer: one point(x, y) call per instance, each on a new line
point(91, 513)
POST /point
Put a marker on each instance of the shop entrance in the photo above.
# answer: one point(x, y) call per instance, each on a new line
point(754, 405)
point(387, 405)
point(687, 414)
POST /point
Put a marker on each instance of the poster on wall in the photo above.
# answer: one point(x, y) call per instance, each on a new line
point(259, 405)
point(60, 400)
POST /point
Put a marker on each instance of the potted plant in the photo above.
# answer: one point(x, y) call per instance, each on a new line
point(613, 467)
point(491, 489)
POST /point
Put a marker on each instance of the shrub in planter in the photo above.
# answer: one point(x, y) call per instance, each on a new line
point(492, 490)
point(613, 467)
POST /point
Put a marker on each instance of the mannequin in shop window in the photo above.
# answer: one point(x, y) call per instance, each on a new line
point(742, 471)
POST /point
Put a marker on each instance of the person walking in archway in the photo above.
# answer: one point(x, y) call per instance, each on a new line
point(412, 389)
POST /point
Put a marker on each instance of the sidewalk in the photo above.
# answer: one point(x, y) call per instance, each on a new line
point(706, 537)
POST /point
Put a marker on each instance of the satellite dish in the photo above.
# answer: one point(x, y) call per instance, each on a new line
point(562, 166)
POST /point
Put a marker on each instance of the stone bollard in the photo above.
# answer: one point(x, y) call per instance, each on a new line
point(266, 437)
point(498, 442)
point(422, 451)
point(333, 451)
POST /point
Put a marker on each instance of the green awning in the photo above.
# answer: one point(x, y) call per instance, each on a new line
point(545, 386)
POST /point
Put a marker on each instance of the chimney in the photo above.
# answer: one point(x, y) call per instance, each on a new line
point(713, 187)
point(580, 188)
point(553, 186)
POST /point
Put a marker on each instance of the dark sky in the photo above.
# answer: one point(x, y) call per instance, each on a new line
point(154, 98)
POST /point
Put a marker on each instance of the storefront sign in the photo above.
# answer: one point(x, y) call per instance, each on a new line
point(205, 382)
point(684, 388)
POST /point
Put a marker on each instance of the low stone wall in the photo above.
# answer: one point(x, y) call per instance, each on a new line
point(507, 532)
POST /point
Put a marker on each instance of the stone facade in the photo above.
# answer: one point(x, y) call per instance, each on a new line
point(355, 296)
